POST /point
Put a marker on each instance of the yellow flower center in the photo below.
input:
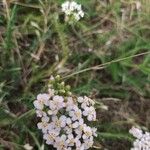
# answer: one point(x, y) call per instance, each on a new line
point(71, 141)
point(88, 133)
point(44, 124)
point(78, 114)
point(58, 123)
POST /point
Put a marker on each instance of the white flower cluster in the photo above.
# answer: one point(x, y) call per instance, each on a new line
point(64, 120)
point(143, 139)
point(72, 9)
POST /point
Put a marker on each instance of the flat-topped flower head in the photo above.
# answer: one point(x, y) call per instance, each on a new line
point(65, 124)
point(72, 10)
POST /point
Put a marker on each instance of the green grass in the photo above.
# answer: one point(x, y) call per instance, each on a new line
point(106, 55)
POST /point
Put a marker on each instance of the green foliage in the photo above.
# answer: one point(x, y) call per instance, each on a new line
point(97, 56)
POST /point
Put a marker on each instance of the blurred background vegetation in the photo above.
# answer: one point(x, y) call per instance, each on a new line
point(105, 55)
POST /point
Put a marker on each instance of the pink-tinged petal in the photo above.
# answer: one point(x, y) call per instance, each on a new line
point(45, 119)
point(78, 143)
point(51, 105)
point(40, 113)
point(81, 121)
point(63, 124)
point(54, 118)
point(68, 121)
point(63, 137)
point(38, 105)
point(80, 99)
point(50, 112)
point(83, 105)
point(75, 125)
point(71, 113)
point(84, 136)
point(85, 113)
point(90, 118)
point(45, 136)
point(39, 96)
point(39, 125)
point(49, 142)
